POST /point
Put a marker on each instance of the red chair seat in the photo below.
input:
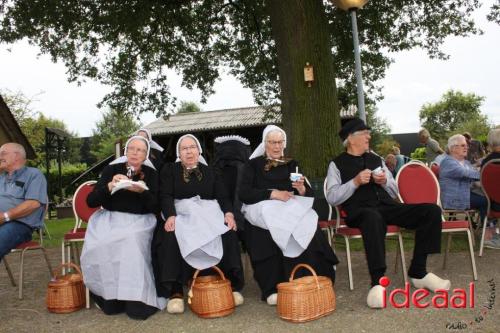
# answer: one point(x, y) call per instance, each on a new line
point(393, 228)
point(323, 224)
point(455, 225)
point(494, 214)
point(347, 231)
point(79, 234)
point(28, 244)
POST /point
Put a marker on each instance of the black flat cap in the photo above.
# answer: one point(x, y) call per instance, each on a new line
point(351, 126)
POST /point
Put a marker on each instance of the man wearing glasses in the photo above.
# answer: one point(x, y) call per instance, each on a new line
point(360, 182)
point(23, 196)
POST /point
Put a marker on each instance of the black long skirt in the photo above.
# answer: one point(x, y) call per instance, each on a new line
point(271, 267)
point(171, 270)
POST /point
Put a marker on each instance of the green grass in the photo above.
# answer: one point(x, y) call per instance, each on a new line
point(57, 229)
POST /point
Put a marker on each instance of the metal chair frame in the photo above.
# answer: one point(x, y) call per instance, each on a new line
point(490, 212)
point(71, 245)
point(437, 201)
point(22, 249)
point(340, 226)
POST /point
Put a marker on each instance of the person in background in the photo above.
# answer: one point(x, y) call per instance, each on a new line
point(432, 148)
point(476, 149)
point(456, 176)
point(23, 197)
point(155, 151)
point(400, 159)
point(391, 163)
point(441, 157)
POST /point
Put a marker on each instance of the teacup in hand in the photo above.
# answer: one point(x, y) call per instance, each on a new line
point(378, 171)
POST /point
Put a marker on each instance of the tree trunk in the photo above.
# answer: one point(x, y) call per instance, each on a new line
point(310, 115)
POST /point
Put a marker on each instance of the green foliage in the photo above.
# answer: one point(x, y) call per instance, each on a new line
point(114, 126)
point(418, 154)
point(380, 128)
point(453, 111)
point(85, 151)
point(19, 105)
point(477, 127)
point(34, 128)
point(130, 44)
point(33, 125)
point(69, 172)
point(494, 15)
point(385, 147)
point(187, 107)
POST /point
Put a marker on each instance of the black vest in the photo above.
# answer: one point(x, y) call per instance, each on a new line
point(368, 195)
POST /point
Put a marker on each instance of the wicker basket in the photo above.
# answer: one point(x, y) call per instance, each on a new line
point(66, 293)
point(211, 296)
point(306, 298)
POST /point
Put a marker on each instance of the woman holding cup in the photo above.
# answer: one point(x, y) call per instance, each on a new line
point(116, 256)
point(282, 228)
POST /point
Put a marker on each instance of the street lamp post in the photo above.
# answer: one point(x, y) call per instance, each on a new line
point(352, 6)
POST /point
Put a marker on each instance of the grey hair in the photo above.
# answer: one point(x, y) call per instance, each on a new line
point(346, 141)
point(424, 133)
point(453, 140)
point(276, 131)
point(17, 148)
point(494, 138)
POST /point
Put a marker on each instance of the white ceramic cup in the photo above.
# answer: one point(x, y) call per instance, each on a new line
point(377, 171)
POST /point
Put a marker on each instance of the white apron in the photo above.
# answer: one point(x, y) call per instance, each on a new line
point(116, 257)
point(199, 225)
point(292, 224)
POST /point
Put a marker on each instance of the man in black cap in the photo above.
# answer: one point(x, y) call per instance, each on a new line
point(359, 180)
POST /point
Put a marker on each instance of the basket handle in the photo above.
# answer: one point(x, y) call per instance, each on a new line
point(296, 268)
point(217, 269)
point(56, 271)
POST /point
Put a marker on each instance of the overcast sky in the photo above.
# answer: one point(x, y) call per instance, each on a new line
point(412, 80)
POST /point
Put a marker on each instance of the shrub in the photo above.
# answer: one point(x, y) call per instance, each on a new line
point(418, 154)
point(68, 173)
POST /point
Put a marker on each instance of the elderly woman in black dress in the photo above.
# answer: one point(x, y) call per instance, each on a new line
point(155, 151)
point(281, 229)
point(116, 256)
point(197, 229)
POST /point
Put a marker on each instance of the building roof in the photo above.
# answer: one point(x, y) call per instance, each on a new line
point(11, 132)
point(408, 142)
point(98, 166)
point(213, 120)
